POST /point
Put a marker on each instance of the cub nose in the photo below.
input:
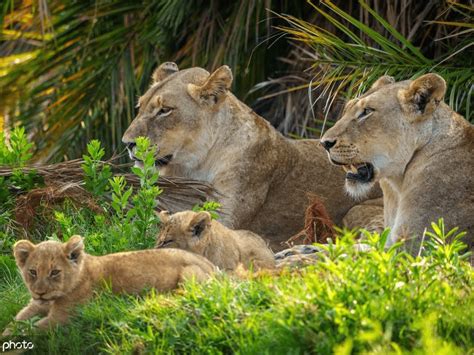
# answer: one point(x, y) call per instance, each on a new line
point(328, 144)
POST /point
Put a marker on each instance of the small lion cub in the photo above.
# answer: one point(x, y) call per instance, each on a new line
point(226, 248)
point(61, 275)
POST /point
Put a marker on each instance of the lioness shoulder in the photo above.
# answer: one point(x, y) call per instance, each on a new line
point(226, 248)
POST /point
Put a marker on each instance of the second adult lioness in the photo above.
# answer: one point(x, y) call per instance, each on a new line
point(226, 248)
point(203, 132)
point(60, 276)
point(422, 152)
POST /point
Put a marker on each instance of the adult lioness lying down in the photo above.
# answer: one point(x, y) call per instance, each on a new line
point(204, 132)
point(422, 152)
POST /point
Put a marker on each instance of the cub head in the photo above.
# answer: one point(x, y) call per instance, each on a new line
point(176, 113)
point(50, 269)
point(184, 230)
point(380, 131)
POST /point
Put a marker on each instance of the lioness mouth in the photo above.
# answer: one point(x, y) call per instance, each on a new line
point(359, 172)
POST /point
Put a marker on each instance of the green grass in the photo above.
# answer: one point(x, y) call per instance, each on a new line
point(376, 302)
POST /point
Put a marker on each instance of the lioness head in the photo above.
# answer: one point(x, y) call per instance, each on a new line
point(50, 269)
point(184, 230)
point(380, 131)
point(176, 113)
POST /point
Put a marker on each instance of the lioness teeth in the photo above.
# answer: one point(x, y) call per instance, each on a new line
point(353, 169)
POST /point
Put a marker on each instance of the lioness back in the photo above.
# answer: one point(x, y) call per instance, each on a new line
point(61, 275)
point(226, 248)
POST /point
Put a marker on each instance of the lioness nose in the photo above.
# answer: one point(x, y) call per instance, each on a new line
point(328, 144)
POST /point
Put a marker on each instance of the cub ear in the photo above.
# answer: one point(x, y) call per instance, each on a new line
point(22, 250)
point(164, 70)
point(382, 81)
point(74, 248)
point(164, 217)
point(199, 223)
point(215, 87)
point(423, 95)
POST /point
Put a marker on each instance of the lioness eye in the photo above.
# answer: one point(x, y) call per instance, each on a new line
point(32, 272)
point(164, 111)
point(54, 273)
point(367, 111)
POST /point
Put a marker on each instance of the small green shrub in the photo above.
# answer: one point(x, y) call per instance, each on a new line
point(96, 174)
point(15, 152)
point(210, 206)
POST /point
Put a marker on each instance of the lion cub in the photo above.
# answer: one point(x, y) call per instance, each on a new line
point(226, 248)
point(61, 275)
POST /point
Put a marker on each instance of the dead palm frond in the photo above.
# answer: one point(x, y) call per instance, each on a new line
point(66, 180)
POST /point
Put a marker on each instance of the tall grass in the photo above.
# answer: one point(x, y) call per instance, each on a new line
point(349, 302)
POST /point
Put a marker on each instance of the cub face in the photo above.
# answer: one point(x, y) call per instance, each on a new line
point(379, 132)
point(50, 269)
point(184, 230)
point(176, 114)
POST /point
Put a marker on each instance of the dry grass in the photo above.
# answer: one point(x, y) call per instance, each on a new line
point(66, 181)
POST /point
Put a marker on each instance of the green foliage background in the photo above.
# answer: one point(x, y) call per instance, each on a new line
point(71, 71)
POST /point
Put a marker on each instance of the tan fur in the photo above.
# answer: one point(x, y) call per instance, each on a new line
point(421, 151)
point(368, 214)
point(55, 296)
point(263, 177)
point(226, 248)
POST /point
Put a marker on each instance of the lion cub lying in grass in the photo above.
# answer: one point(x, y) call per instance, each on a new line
point(226, 248)
point(61, 275)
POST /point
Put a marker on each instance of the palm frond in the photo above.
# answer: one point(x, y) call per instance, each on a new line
point(343, 61)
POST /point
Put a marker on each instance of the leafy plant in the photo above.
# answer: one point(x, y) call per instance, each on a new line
point(446, 247)
point(96, 174)
point(145, 199)
point(209, 206)
point(15, 152)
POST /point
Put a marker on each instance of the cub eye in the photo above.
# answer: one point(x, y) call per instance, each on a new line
point(32, 272)
point(54, 273)
point(365, 113)
point(164, 111)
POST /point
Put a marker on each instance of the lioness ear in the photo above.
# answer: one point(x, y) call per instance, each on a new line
point(215, 87)
point(423, 95)
point(74, 248)
point(164, 217)
point(22, 250)
point(164, 70)
point(199, 223)
point(382, 81)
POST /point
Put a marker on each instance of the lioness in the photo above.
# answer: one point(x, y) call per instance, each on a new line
point(422, 152)
point(203, 132)
point(226, 248)
point(61, 275)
